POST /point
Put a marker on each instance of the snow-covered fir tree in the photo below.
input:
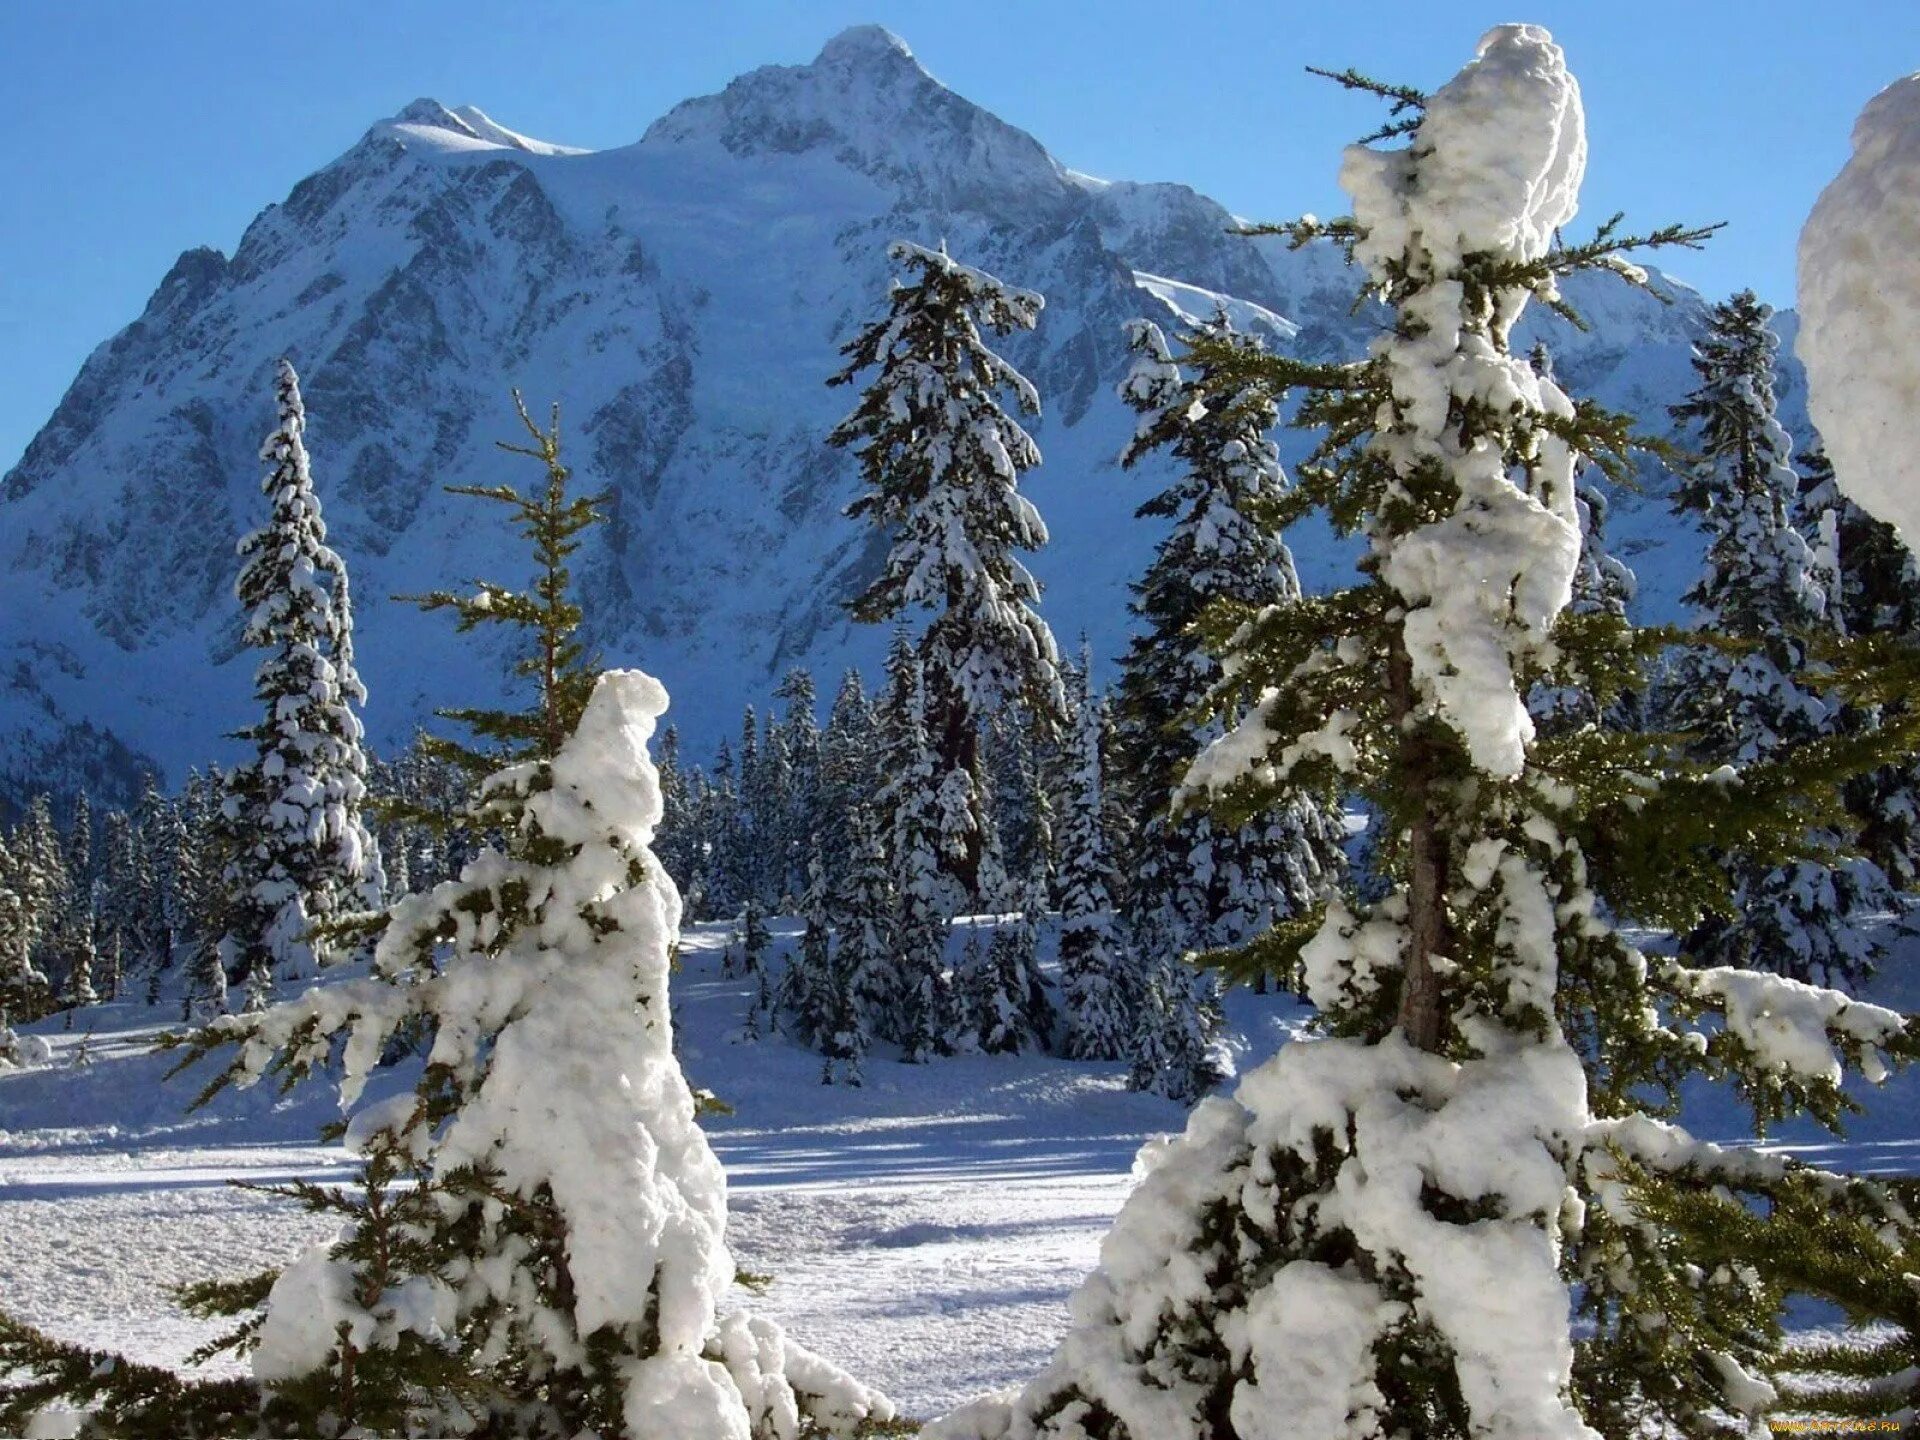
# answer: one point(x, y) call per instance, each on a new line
point(1174, 1049)
point(24, 991)
point(679, 832)
point(1380, 1233)
point(1095, 989)
point(1873, 590)
point(538, 1247)
point(849, 774)
point(1195, 884)
point(801, 794)
point(1006, 1005)
point(921, 1013)
point(1761, 588)
point(866, 949)
point(810, 997)
point(305, 854)
point(1603, 584)
point(940, 459)
point(752, 939)
point(156, 905)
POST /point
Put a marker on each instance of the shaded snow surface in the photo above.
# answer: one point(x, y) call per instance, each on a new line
point(924, 1231)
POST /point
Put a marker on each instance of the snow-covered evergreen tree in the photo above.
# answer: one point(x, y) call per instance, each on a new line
point(1873, 591)
point(1378, 1235)
point(849, 774)
point(1804, 917)
point(921, 1008)
point(1006, 1003)
point(539, 1251)
point(77, 990)
point(304, 855)
point(24, 992)
point(1196, 884)
point(941, 460)
point(752, 937)
point(872, 978)
point(1174, 1049)
point(801, 817)
point(808, 999)
point(1093, 980)
point(156, 909)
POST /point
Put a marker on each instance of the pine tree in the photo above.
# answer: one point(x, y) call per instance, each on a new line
point(43, 871)
point(305, 854)
point(559, 1259)
point(800, 738)
point(1175, 1049)
point(806, 998)
point(1803, 917)
point(724, 878)
point(156, 904)
point(1436, 1220)
point(867, 933)
point(849, 774)
point(1873, 589)
point(941, 461)
point(1008, 1010)
point(24, 992)
point(753, 938)
point(204, 989)
point(1093, 963)
point(77, 992)
point(921, 1011)
point(679, 840)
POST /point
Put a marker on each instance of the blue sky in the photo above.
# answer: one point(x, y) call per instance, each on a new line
point(130, 131)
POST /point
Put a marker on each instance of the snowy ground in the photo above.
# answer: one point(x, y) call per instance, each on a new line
point(924, 1230)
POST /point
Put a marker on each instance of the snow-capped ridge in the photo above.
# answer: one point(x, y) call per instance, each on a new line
point(1197, 307)
point(867, 103)
point(465, 127)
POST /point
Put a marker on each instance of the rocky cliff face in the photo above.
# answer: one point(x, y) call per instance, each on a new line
point(683, 299)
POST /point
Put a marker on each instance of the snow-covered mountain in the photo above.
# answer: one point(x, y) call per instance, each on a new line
point(683, 299)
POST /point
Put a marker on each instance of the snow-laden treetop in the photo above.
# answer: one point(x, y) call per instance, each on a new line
point(1503, 147)
point(1494, 171)
point(1860, 312)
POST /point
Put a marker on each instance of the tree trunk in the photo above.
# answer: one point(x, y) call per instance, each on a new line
point(1420, 1016)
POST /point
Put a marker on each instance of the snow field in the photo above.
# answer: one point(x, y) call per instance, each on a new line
point(923, 1231)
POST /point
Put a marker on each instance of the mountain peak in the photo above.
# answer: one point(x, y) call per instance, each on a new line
point(470, 127)
point(866, 104)
point(864, 45)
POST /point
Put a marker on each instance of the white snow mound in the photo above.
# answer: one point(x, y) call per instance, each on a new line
point(1860, 312)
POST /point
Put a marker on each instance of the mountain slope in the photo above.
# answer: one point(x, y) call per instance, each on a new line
point(683, 298)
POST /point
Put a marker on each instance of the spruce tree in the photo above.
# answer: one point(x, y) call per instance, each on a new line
point(940, 459)
point(1873, 591)
point(921, 1004)
point(304, 854)
point(1803, 917)
point(807, 997)
point(24, 992)
point(849, 774)
point(1007, 1005)
point(1440, 1218)
point(872, 978)
point(753, 938)
point(44, 886)
point(1093, 963)
point(156, 904)
point(537, 1245)
point(1195, 884)
point(1175, 1048)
